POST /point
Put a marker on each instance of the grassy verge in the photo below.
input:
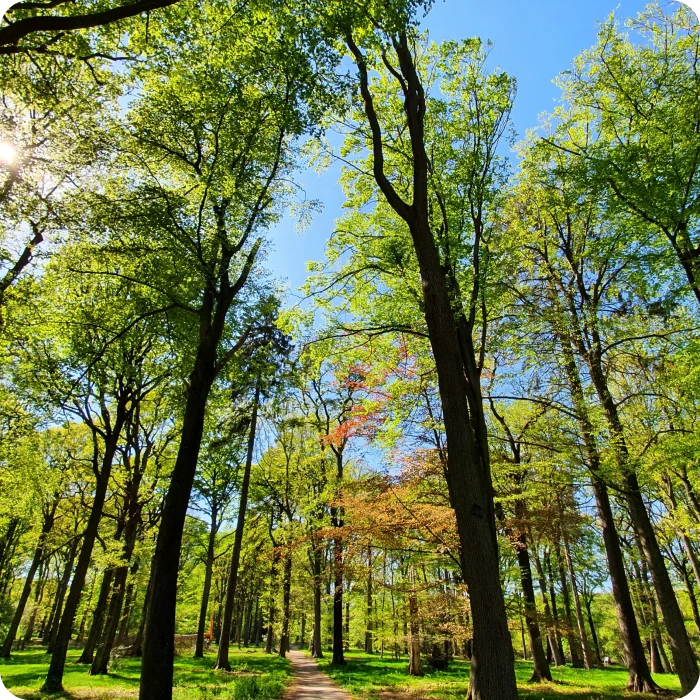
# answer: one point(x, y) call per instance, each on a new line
point(255, 675)
point(368, 677)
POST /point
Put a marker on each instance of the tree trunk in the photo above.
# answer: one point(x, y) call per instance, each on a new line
point(222, 660)
point(541, 670)
point(683, 657)
point(27, 588)
point(639, 679)
point(54, 677)
point(159, 632)
point(574, 643)
point(415, 667)
point(317, 643)
point(369, 638)
point(95, 632)
point(286, 599)
point(104, 650)
point(208, 569)
point(587, 656)
point(53, 631)
point(467, 470)
point(551, 637)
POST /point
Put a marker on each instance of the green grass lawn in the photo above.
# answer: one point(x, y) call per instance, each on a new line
point(194, 678)
point(369, 677)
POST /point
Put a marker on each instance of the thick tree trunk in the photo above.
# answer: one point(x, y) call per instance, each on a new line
point(54, 678)
point(222, 660)
point(467, 471)
point(98, 616)
point(159, 631)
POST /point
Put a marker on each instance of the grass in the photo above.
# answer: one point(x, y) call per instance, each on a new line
point(255, 675)
point(370, 678)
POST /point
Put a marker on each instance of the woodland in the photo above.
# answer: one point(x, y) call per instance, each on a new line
point(465, 464)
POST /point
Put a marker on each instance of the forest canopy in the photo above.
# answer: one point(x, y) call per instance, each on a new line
point(467, 462)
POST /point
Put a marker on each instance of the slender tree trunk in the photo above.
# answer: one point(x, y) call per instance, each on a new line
point(541, 669)
point(317, 652)
point(415, 667)
point(47, 524)
point(587, 656)
point(683, 657)
point(369, 638)
point(121, 574)
point(574, 643)
point(594, 634)
point(639, 679)
point(98, 615)
point(551, 637)
point(208, 569)
point(286, 599)
point(128, 606)
point(692, 598)
point(54, 677)
point(222, 660)
point(60, 597)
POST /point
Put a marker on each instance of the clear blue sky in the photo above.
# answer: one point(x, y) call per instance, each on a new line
point(534, 41)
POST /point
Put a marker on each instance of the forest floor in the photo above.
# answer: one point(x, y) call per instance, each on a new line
point(370, 677)
point(254, 675)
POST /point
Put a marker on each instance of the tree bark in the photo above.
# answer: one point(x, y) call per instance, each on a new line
point(159, 631)
point(574, 643)
point(588, 661)
point(54, 678)
point(415, 667)
point(541, 669)
point(369, 638)
point(639, 678)
point(683, 657)
point(286, 600)
point(552, 638)
point(208, 569)
point(222, 660)
point(468, 473)
point(317, 643)
point(47, 524)
point(95, 632)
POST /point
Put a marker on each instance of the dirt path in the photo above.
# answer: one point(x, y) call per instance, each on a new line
point(310, 683)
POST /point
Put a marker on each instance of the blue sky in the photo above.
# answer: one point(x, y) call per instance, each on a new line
point(533, 41)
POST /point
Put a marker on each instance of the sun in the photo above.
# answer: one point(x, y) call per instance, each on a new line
point(7, 153)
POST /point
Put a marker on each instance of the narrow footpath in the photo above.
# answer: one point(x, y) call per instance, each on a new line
point(309, 682)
